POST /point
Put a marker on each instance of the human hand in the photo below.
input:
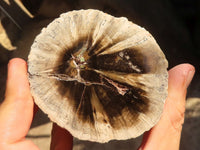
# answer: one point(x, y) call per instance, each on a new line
point(16, 113)
point(17, 110)
point(165, 135)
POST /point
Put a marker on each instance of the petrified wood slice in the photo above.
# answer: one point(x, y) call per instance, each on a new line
point(98, 76)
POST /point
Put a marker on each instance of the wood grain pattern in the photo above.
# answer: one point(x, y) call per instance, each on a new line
point(100, 77)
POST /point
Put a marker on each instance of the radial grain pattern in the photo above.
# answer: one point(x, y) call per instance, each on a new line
point(104, 77)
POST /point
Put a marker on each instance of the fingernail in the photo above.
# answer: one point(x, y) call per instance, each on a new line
point(189, 77)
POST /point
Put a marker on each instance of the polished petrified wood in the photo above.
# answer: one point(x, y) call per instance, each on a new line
point(98, 76)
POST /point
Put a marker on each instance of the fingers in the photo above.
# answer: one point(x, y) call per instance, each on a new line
point(16, 112)
point(61, 139)
point(166, 133)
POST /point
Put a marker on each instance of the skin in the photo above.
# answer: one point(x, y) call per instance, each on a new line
point(17, 111)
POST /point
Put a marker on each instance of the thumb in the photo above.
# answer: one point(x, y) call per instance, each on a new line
point(166, 133)
point(16, 112)
point(179, 80)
